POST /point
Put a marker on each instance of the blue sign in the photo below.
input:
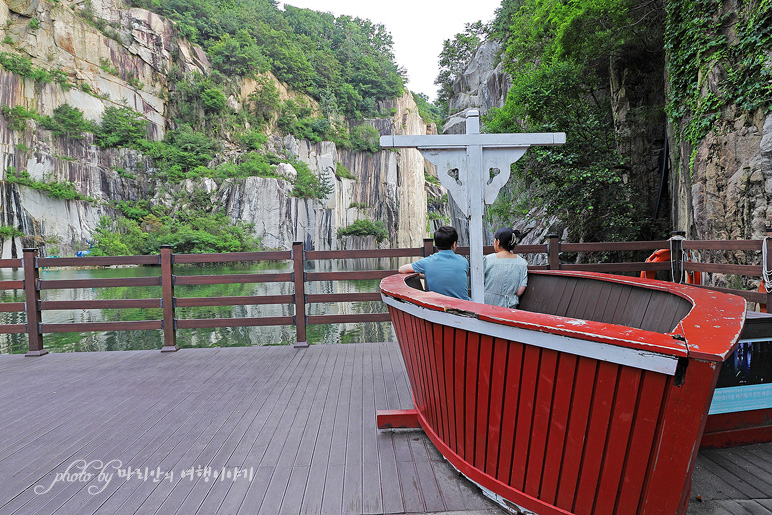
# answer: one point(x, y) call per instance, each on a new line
point(741, 398)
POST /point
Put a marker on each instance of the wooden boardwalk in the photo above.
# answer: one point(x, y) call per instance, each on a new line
point(251, 430)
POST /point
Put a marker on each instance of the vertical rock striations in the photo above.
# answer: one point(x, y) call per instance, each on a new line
point(106, 67)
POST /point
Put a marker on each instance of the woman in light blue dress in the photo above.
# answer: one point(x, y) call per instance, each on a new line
point(506, 273)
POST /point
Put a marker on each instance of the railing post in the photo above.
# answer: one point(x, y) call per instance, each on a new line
point(428, 249)
point(676, 251)
point(553, 252)
point(32, 303)
point(299, 277)
point(768, 266)
point(167, 300)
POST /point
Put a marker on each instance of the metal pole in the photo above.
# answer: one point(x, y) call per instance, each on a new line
point(299, 277)
point(167, 300)
point(676, 249)
point(32, 304)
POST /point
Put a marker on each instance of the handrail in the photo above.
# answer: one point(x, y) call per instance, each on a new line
point(168, 280)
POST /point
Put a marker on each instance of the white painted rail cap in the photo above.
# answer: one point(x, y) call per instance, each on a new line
point(524, 139)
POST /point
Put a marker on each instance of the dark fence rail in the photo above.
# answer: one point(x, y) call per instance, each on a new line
point(32, 285)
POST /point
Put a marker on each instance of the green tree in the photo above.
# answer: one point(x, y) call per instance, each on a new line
point(313, 52)
point(365, 138)
point(558, 55)
point(264, 102)
point(429, 112)
point(289, 63)
point(309, 185)
point(456, 54)
point(68, 121)
point(121, 127)
point(16, 117)
point(365, 228)
point(213, 99)
point(239, 55)
point(181, 151)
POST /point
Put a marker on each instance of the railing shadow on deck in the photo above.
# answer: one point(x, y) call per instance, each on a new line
point(32, 285)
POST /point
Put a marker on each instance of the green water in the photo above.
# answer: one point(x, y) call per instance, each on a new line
point(214, 337)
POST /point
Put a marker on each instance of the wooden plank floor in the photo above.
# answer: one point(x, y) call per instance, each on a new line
point(298, 425)
point(146, 432)
point(734, 481)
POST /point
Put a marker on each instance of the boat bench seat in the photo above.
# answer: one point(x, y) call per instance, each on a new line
point(601, 301)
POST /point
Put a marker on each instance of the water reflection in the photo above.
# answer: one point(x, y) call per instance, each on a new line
point(214, 337)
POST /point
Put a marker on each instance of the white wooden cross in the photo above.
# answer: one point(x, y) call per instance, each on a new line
point(467, 166)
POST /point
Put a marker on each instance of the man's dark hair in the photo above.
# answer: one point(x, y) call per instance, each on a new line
point(445, 237)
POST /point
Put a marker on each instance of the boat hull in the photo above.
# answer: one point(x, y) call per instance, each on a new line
point(550, 418)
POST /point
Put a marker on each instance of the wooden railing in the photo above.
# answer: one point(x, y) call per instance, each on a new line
point(167, 279)
point(33, 306)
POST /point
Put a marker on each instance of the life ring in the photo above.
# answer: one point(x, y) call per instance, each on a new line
point(762, 289)
point(664, 255)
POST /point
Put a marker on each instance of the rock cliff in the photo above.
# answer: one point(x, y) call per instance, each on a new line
point(719, 189)
point(116, 56)
point(722, 181)
point(482, 85)
point(727, 195)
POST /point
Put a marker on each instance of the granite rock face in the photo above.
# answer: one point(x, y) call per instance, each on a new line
point(388, 187)
point(722, 184)
point(105, 68)
point(731, 184)
point(482, 85)
point(23, 7)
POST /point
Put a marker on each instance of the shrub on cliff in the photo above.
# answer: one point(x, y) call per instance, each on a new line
point(365, 228)
point(264, 101)
point(309, 185)
point(213, 100)
point(121, 127)
point(7, 232)
point(24, 67)
point(365, 138)
point(16, 117)
point(67, 121)
point(182, 150)
point(194, 231)
point(53, 189)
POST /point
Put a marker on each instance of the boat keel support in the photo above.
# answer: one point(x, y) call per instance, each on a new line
point(397, 419)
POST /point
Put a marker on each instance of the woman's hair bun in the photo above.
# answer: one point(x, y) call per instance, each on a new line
point(508, 238)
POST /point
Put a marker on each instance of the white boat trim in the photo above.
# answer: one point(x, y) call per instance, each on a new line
point(635, 358)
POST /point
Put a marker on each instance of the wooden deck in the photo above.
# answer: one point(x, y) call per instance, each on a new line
point(297, 426)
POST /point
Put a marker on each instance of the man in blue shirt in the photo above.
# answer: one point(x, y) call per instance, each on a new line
point(446, 272)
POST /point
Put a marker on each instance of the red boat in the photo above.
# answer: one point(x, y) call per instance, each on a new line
point(591, 398)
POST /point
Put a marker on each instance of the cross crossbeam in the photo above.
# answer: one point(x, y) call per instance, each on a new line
point(473, 167)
